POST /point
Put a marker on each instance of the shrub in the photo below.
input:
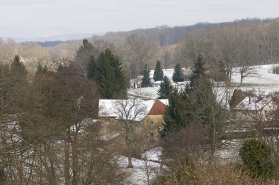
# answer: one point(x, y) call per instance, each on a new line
point(257, 157)
point(204, 173)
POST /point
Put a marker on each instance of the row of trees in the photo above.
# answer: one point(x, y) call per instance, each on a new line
point(178, 75)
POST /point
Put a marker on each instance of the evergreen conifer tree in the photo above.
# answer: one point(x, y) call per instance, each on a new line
point(177, 114)
point(177, 75)
point(198, 73)
point(237, 97)
point(158, 72)
point(91, 68)
point(196, 104)
point(41, 69)
point(18, 70)
point(203, 100)
point(165, 88)
point(257, 157)
point(146, 79)
point(109, 75)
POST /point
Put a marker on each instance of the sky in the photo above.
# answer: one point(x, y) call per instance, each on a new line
point(100, 16)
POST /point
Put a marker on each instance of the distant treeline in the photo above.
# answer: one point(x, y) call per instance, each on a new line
point(48, 43)
point(165, 35)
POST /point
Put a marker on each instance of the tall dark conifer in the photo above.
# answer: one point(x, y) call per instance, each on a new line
point(165, 88)
point(158, 72)
point(108, 74)
point(196, 104)
point(177, 75)
point(18, 71)
point(177, 114)
point(91, 68)
point(236, 98)
point(146, 79)
point(207, 110)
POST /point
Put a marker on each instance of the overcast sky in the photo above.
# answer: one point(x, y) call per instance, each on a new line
point(95, 16)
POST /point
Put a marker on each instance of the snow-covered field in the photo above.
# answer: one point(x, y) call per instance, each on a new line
point(263, 80)
point(262, 76)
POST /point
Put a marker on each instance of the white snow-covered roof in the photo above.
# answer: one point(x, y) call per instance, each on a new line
point(129, 109)
point(253, 103)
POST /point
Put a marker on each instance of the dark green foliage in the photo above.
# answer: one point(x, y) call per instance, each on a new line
point(257, 157)
point(201, 92)
point(207, 110)
point(177, 114)
point(146, 79)
point(195, 105)
point(198, 72)
point(165, 88)
point(41, 69)
point(108, 74)
point(91, 68)
point(177, 75)
point(17, 67)
point(158, 72)
point(237, 97)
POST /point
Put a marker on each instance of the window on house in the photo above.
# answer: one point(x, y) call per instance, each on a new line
point(151, 122)
point(151, 134)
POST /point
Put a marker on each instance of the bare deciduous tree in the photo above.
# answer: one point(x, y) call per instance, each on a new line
point(129, 112)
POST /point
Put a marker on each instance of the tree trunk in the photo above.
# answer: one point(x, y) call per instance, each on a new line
point(130, 165)
point(75, 161)
point(67, 160)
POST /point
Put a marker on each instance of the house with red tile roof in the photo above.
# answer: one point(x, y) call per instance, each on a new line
point(146, 115)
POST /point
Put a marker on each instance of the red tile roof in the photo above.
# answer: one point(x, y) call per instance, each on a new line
point(157, 108)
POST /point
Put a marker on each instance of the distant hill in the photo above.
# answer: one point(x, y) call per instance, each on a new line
point(52, 34)
point(165, 35)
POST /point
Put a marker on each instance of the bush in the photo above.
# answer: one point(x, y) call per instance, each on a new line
point(204, 173)
point(257, 157)
point(236, 98)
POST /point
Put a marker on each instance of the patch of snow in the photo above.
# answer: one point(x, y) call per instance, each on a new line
point(153, 154)
point(139, 171)
point(109, 136)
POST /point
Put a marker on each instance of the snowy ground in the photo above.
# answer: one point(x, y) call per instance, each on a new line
point(151, 163)
point(262, 76)
point(142, 166)
point(229, 150)
point(263, 80)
